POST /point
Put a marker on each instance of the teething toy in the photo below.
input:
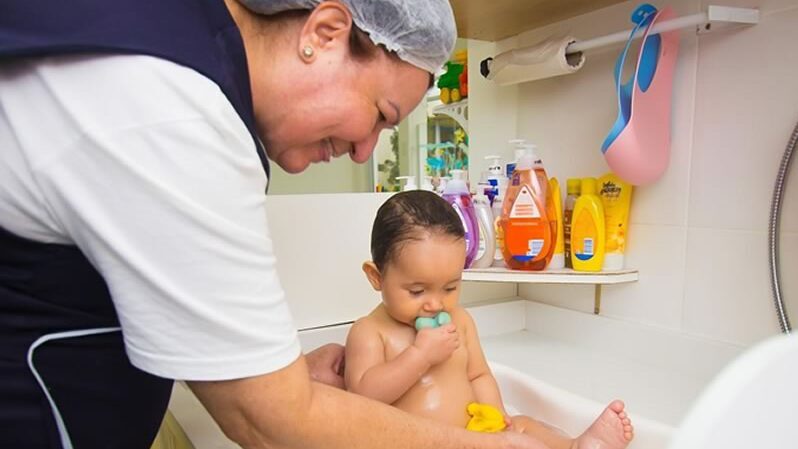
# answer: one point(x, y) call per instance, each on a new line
point(424, 322)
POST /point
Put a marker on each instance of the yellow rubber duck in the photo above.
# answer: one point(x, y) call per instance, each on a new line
point(485, 418)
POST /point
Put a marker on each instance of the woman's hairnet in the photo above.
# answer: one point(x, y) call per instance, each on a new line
point(421, 32)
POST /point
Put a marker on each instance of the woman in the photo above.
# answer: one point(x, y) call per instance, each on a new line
point(131, 196)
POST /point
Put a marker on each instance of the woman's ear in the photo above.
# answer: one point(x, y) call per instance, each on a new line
point(373, 275)
point(327, 27)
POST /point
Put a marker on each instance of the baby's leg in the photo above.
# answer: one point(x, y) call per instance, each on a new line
point(551, 436)
point(611, 430)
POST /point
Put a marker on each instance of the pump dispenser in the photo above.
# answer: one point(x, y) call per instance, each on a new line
point(410, 183)
point(528, 220)
point(427, 184)
point(456, 193)
point(520, 148)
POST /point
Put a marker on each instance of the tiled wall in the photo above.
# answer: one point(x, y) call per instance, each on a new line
point(698, 235)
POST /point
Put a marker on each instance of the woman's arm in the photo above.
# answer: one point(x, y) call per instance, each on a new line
point(286, 410)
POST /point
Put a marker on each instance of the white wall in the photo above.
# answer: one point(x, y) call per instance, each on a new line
point(699, 235)
point(320, 242)
point(339, 175)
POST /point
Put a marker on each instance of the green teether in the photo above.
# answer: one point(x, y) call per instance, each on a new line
point(438, 320)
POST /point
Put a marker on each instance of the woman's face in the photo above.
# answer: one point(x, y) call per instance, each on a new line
point(336, 106)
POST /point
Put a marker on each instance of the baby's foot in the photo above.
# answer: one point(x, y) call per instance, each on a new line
point(611, 430)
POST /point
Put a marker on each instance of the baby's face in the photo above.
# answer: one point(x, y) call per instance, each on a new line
point(423, 278)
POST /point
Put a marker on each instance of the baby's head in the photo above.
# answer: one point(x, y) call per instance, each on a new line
point(418, 254)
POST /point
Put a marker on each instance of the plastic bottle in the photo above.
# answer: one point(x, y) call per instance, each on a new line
point(427, 184)
point(456, 193)
point(573, 187)
point(496, 208)
point(558, 258)
point(588, 229)
point(520, 148)
point(410, 183)
point(442, 181)
point(487, 236)
point(616, 198)
point(528, 219)
point(495, 174)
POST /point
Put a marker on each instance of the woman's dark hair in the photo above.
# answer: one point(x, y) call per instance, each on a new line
point(408, 216)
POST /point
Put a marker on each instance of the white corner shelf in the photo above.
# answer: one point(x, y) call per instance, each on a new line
point(457, 111)
point(565, 276)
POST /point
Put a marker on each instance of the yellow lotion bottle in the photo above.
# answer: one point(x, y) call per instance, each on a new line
point(558, 258)
point(588, 229)
point(616, 197)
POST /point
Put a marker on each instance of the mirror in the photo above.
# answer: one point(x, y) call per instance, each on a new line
point(430, 141)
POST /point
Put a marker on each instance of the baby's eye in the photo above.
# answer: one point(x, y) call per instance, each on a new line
point(416, 292)
point(451, 289)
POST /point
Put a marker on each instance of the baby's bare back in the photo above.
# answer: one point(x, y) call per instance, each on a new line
point(443, 393)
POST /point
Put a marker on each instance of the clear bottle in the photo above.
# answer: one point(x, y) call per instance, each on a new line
point(456, 193)
point(573, 186)
point(528, 219)
point(487, 236)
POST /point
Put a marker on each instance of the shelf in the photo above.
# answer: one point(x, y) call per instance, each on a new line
point(500, 19)
point(457, 111)
point(564, 276)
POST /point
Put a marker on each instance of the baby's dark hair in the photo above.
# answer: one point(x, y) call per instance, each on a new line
point(407, 216)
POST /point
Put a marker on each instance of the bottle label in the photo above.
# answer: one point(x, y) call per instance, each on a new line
point(463, 221)
point(535, 246)
point(584, 233)
point(498, 256)
point(524, 205)
point(482, 244)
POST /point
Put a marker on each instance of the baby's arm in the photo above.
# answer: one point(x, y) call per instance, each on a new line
point(368, 373)
point(483, 383)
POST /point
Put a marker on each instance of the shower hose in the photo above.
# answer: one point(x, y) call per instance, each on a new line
point(773, 231)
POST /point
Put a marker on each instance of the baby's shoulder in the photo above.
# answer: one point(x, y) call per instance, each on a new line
point(367, 326)
point(460, 315)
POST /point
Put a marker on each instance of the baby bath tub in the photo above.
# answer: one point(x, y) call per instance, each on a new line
point(523, 394)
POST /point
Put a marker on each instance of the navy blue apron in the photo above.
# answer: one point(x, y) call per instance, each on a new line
point(65, 380)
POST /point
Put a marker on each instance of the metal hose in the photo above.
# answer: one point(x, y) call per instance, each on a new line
point(773, 231)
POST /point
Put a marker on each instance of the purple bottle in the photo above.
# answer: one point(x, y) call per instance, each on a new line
point(456, 193)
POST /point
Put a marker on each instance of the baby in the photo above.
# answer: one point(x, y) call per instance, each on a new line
point(439, 372)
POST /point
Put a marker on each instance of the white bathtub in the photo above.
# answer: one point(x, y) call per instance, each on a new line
point(570, 412)
point(558, 366)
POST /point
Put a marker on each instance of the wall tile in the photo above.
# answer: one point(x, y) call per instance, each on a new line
point(746, 108)
point(658, 253)
point(728, 288)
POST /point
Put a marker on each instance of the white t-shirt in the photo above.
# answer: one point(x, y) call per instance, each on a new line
point(146, 167)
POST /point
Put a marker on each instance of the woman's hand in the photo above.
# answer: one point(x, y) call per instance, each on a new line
point(326, 364)
point(437, 344)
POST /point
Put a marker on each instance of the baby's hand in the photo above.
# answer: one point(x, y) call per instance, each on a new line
point(437, 344)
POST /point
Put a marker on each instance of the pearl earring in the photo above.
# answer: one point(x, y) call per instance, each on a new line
point(307, 51)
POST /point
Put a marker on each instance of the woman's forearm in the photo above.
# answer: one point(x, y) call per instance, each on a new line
point(285, 410)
